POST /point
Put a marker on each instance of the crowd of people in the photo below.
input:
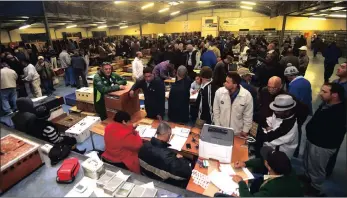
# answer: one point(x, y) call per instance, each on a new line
point(242, 80)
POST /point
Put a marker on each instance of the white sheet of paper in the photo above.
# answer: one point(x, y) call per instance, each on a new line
point(223, 182)
point(177, 142)
point(122, 176)
point(85, 181)
point(194, 96)
point(183, 132)
point(93, 155)
point(227, 169)
point(148, 185)
point(248, 173)
point(148, 133)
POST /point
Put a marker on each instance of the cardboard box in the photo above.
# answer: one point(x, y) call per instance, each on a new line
point(85, 106)
point(85, 94)
point(80, 131)
point(121, 101)
point(19, 158)
point(65, 121)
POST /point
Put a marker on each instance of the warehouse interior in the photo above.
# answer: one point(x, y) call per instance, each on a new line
point(45, 23)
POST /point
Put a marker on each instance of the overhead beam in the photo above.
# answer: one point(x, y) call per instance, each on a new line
point(46, 24)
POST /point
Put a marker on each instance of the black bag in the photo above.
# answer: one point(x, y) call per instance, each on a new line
point(58, 153)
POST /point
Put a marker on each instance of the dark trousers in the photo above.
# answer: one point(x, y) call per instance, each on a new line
point(315, 52)
point(48, 85)
point(302, 71)
point(331, 164)
point(328, 70)
point(78, 73)
point(297, 150)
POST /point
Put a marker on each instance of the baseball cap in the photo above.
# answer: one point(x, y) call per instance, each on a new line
point(242, 71)
point(277, 160)
point(303, 48)
point(291, 70)
point(40, 58)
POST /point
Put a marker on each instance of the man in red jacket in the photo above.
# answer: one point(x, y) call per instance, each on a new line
point(122, 143)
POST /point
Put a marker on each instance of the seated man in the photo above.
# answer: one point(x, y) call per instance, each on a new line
point(281, 180)
point(159, 162)
point(179, 97)
point(122, 143)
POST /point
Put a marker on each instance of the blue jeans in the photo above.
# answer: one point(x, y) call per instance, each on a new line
point(69, 76)
point(48, 85)
point(8, 99)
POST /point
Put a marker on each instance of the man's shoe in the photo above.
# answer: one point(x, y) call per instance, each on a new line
point(54, 89)
point(67, 85)
point(312, 192)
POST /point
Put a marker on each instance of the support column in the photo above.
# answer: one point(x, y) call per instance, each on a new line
point(140, 30)
point(9, 35)
point(283, 29)
point(55, 34)
point(46, 25)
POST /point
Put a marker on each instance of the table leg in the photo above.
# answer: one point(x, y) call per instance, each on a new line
point(91, 137)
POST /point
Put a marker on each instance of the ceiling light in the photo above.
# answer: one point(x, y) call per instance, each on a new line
point(337, 8)
point(248, 3)
point(337, 2)
point(71, 26)
point(173, 3)
point(102, 26)
point(246, 7)
point(101, 22)
point(18, 20)
point(174, 13)
point(338, 15)
point(147, 6)
point(163, 10)
point(312, 13)
point(122, 27)
point(24, 26)
point(323, 14)
point(118, 2)
point(317, 18)
point(203, 2)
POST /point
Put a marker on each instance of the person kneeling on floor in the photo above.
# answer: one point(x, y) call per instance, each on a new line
point(122, 143)
point(281, 180)
point(159, 162)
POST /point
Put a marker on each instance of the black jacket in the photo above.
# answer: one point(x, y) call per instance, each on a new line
point(193, 58)
point(159, 162)
point(179, 101)
point(77, 62)
point(327, 127)
point(206, 103)
point(154, 96)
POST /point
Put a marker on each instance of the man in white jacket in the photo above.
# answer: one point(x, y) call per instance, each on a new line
point(137, 66)
point(281, 132)
point(32, 77)
point(233, 106)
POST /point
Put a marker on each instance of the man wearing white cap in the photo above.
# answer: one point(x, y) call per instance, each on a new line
point(281, 132)
point(303, 60)
point(46, 72)
point(246, 77)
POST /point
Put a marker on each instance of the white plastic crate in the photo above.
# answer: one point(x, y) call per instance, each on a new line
point(93, 168)
point(80, 131)
point(85, 94)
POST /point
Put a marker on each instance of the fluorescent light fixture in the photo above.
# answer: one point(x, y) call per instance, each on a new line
point(248, 3)
point(203, 2)
point(338, 15)
point(174, 13)
point(118, 2)
point(147, 6)
point(163, 10)
point(24, 27)
point(122, 27)
point(173, 3)
point(312, 13)
point(317, 18)
point(18, 20)
point(324, 10)
point(323, 14)
point(102, 26)
point(71, 26)
point(337, 8)
point(337, 2)
point(246, 7)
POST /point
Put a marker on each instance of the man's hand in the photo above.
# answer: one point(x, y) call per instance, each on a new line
point(131, 93)
point(179, 156)
point(159, 118)
point(135, 125)
point(237, 178)
point(194, 92)
point(243, 134)
point(239, 164)
point(268, 128)
point(122, 87)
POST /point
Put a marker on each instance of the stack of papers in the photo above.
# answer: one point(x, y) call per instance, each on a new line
point(194, 96)
point(183, 132)
point(177, 142)
point(146, 131)
point(224, 182)
point(122, 176)
point(227, 169)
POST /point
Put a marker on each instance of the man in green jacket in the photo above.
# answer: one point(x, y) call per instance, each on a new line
point(281, 180)
point(105, 81)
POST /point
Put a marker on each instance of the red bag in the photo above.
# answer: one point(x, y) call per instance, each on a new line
point(68, 171)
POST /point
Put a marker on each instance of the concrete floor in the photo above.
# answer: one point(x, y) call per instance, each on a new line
point(334, 186)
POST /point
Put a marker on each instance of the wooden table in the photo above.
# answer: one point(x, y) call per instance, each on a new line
point(172, 80)
point(240, 153)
